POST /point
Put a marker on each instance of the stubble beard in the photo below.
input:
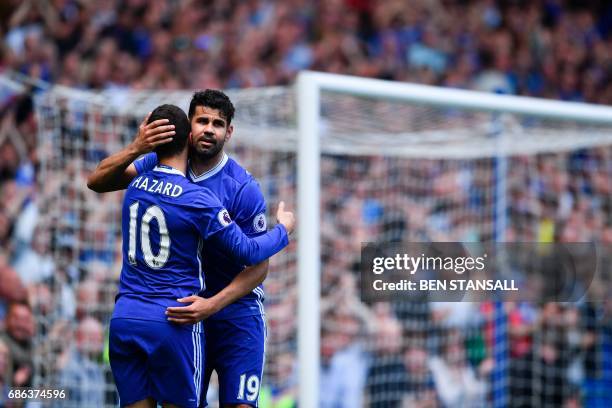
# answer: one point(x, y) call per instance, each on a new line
point(205, 155)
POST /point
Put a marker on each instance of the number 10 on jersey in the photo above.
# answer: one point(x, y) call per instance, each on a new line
point(152, 260)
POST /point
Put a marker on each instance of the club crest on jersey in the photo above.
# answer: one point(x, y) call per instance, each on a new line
point(224, 218)
point(259, 222)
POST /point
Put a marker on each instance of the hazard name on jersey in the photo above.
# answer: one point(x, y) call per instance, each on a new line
point(152, 185)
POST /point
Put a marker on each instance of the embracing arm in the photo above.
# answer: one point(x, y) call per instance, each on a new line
point(201, 308)
point(116, 171)
point(243, 284)
point(251, 217)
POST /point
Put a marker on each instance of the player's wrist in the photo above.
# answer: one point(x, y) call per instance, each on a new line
point(285, 228)
point(219, 301)
point(135, 149)
point(217, 305)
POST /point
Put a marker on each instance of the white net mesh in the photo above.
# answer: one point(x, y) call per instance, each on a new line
point(391, 172)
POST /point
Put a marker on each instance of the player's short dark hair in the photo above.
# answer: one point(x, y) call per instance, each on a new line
point(214, 99)
point(177, 117)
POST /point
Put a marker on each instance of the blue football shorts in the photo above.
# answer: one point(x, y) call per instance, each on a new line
point(157, 359)
point(235, 349)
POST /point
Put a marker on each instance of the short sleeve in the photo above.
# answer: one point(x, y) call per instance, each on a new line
point(146, 163)
point(249, 209)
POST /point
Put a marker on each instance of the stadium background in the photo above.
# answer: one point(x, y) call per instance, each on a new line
point(59, 240)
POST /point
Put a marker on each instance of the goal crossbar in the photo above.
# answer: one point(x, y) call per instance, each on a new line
point(309, 88)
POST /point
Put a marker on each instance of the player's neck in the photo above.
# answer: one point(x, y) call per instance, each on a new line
point(178, 162)
point(201, 166)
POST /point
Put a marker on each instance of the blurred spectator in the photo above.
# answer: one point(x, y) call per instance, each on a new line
point(18, 337)
point(552, 354)
point(88, 299)
point(456, 383)
point(34, 263)
point(386, 377)
point(82, 376)
point(521, 324)
point(343, 360)
point(419, 391)
point(280, 391)
point(11, 288)
point(5, 370)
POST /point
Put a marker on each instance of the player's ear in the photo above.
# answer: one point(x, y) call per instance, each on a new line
point(190, 137)
point(228, 134)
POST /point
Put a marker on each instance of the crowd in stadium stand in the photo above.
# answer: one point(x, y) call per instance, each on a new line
point(417, 354)
point(548, 48)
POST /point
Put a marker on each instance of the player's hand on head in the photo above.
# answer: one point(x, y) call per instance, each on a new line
point(285, 217)
point(151, 135)
point(197, 309)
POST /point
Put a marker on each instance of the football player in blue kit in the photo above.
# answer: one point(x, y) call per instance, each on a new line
point(233, 297)
point(167, 221)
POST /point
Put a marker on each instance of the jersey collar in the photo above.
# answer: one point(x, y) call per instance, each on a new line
point(209, 173)
point(167, 169)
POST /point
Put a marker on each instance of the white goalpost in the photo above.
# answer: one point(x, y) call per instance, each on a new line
point(310, 86)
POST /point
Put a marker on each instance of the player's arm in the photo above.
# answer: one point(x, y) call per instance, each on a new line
point(244, 283)
point(251, 219)
point(201, 308)
point(250, 215)
point(231, 238)
point(251, 251)
point(117, 171)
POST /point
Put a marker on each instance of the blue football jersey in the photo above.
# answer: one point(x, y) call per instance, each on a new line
point(166, 223)
point(240, 194)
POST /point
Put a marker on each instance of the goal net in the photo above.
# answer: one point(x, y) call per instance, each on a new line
point(391, 170)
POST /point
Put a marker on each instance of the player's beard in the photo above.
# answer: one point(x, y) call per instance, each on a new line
point(209, 152)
